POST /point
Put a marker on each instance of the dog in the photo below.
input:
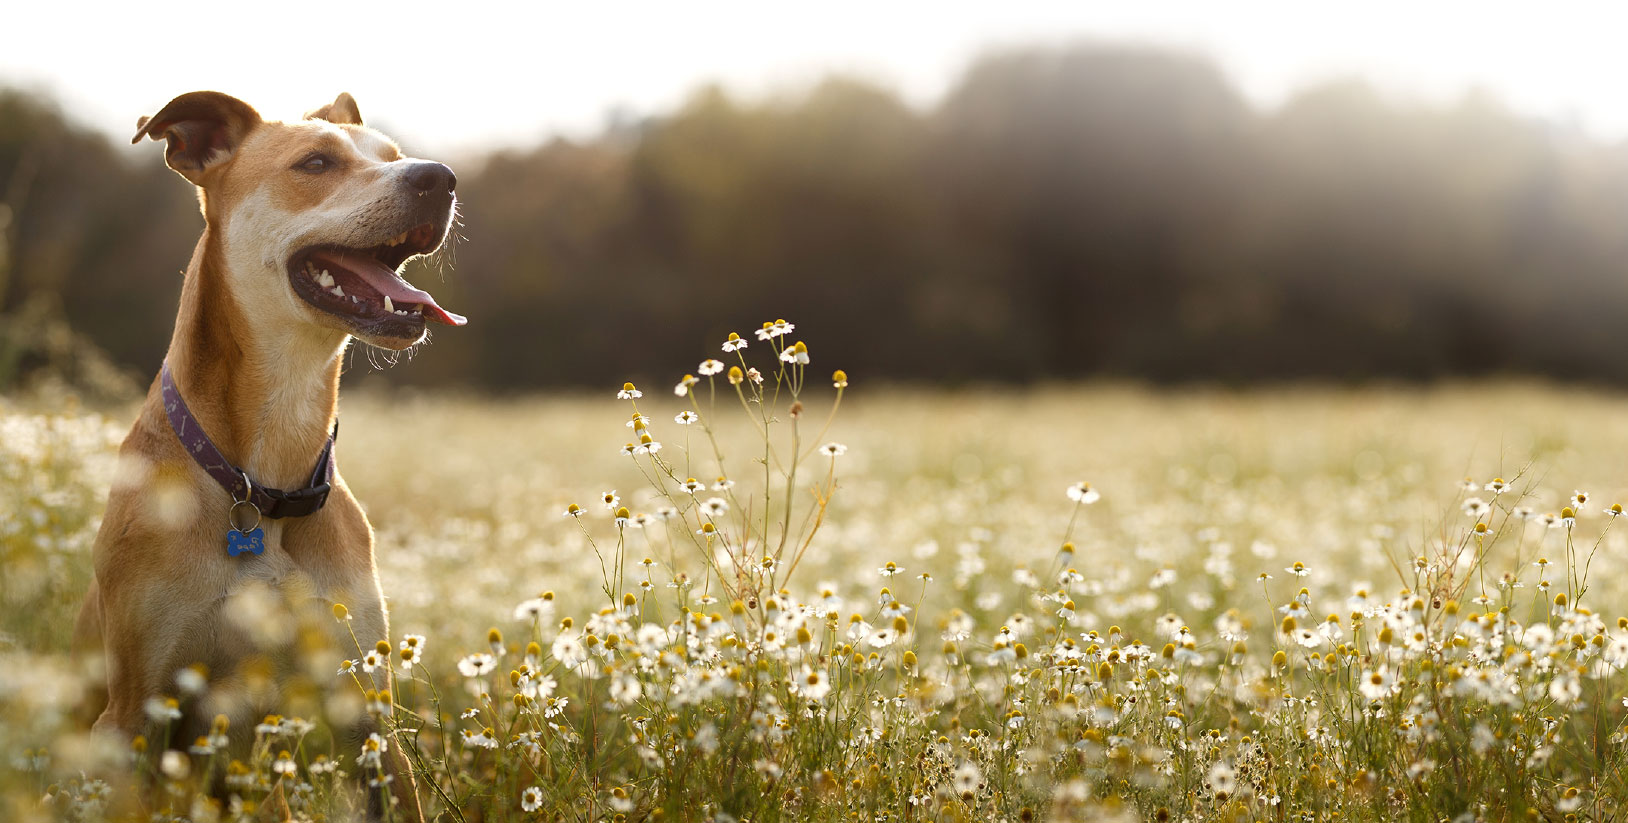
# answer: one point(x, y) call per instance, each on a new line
point(208, 578)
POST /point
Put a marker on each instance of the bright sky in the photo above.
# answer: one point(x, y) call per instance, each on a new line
point(463, 75)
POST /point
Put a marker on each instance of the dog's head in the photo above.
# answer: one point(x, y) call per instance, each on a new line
point(314, 217)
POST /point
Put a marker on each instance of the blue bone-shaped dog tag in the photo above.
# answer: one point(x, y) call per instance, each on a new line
point(253, 541)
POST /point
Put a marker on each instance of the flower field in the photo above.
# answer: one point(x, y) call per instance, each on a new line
point(720, 599)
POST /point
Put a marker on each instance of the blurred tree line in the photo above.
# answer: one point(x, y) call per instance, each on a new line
point(1094, 210)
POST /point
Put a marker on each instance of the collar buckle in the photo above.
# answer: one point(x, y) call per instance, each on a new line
point(296, 503)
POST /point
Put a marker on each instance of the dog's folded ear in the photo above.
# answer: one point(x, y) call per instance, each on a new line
point(202, 129)
point(342, 111)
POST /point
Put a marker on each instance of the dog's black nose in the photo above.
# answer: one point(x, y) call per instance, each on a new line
point(429, 177)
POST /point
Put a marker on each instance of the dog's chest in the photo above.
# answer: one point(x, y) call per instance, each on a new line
point(272, 568)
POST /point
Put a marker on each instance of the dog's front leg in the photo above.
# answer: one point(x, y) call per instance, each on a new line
point(126, 659)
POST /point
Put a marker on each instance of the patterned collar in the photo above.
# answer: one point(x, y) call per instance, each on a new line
point(272, 503)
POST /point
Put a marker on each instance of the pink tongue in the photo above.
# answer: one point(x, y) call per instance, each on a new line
point(387, 284)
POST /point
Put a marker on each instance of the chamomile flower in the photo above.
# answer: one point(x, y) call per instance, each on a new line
point(1579, 500)
point(692, 485)
point(193, 680)
point(373, 749)
point(710, 367)
point(284, 764)
point(568, 650)
point(163, 709)
point(625, 689)
point(477, 665)
point(722, 484)
point(734, 343)
point(531, 799)
point(883, 637)
point(483, 739)
point(684, 384)
point(686, 417)
point(714, 507)
point(535, 610)
point(611, 500)
point(1083, 494)
point(1614, 510)
point(1376, 684)
point(1475, 507)
point(814, 684)
point(833, 450)
point(629, 393)
point(574, 510)
point(1497, 486)
point(1298, 569)
point(797, 353)
point(890, 569)
point(538, 687)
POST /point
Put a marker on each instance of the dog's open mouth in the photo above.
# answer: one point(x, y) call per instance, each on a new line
point(362, 286)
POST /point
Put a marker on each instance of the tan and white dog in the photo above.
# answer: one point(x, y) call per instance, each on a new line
point(306, 224)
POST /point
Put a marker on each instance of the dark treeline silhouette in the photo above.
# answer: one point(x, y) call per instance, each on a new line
point(1090, 211)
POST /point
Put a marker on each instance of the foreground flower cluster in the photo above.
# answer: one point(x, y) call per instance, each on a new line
point(713, 666)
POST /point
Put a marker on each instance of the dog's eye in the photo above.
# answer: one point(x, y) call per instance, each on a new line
point(316, 164)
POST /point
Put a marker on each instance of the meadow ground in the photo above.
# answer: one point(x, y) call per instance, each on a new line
point(1285, 605)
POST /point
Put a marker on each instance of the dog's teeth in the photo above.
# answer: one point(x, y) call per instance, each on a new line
point(338, 291)
point(388, 306)
point(354, 299)
point(325, 279)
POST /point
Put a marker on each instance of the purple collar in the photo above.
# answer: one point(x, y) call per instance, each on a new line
point(273, 503)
